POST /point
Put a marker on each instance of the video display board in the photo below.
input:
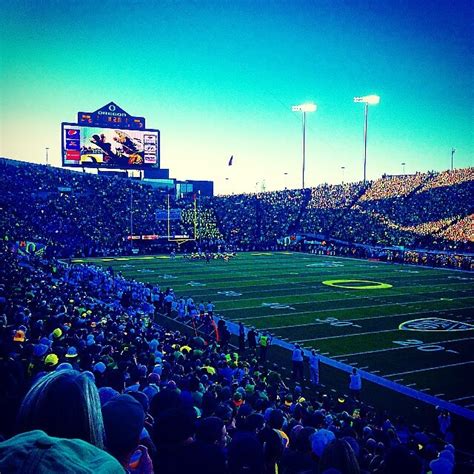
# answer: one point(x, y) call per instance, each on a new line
point(103, 147)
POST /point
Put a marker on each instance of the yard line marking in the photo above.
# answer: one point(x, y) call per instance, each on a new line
point(430, 368)
point(402, 347)
point(469, 406)
point(424, 389)
point(439, 394)
point(337, 309)
point(343, 360)
point(411, 384)
point(398, 380)
point(346, 335)
point(345, 309)
point(376, 371)
point(361, 368)
point(461, 398)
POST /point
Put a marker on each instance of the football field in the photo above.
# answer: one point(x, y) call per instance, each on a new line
point(410, 325)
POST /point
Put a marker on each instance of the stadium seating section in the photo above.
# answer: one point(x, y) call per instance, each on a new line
point(84, 354)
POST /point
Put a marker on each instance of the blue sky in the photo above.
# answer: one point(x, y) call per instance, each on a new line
point(218, 78)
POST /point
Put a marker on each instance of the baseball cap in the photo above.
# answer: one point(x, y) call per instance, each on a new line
point(106, 394)
point(51, 360)
point(40, 350)
point(37, 452)
point(57, 333)
point(19, 336)
point(71, 352)
point(100, 367)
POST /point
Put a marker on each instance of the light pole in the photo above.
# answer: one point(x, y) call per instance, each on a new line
point(367, 100)
point(306, 107)
point(403, 167)
point(47, 156)
point(342, 169)
point(131, 218)
point(285, 174)
point(453, 151)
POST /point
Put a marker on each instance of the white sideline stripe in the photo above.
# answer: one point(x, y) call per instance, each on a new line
point(346, 335)
point(297, 313)
point(323, 291)
point(461, 398)
point(402, 347)
point(370, 317)
point(430, 368)
point(336, 309)
point(243, 276)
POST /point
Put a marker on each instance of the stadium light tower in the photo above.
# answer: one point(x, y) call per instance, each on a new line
point(367, 100)
point(47, 155)
point(306, 107)
point(453, 151)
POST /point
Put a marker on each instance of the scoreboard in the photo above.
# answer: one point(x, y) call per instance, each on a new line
point(110, 138)
point(111, 115)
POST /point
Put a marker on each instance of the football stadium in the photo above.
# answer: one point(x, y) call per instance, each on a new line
point(258, 271)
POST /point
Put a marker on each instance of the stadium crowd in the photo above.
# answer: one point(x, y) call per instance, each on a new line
point(92, 382)
point(75, 213)
point(69, 211)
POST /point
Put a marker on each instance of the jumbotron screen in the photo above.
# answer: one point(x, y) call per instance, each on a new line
point(99, 147)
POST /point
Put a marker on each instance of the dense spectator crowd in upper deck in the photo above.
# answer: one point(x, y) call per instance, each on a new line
point(84, 214)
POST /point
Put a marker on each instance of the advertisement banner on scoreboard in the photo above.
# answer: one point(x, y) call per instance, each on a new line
point(101, 147)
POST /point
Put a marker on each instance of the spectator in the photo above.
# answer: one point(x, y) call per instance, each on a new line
point(297, 362)
point(124, 419)
point(35, 451)
point(64, 404)
point(314, 367)
point(355, 384)
point(339, 455)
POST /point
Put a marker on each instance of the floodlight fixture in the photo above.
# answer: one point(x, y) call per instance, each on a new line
point(306, 107)
point(367, 100)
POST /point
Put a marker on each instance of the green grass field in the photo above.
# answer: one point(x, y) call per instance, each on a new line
point(283, 293)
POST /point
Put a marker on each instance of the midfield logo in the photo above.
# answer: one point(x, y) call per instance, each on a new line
point(435, 324)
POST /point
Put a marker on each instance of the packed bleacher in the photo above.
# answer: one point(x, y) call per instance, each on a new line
point(91, 381)
point(77, 213)
point(84, 215)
